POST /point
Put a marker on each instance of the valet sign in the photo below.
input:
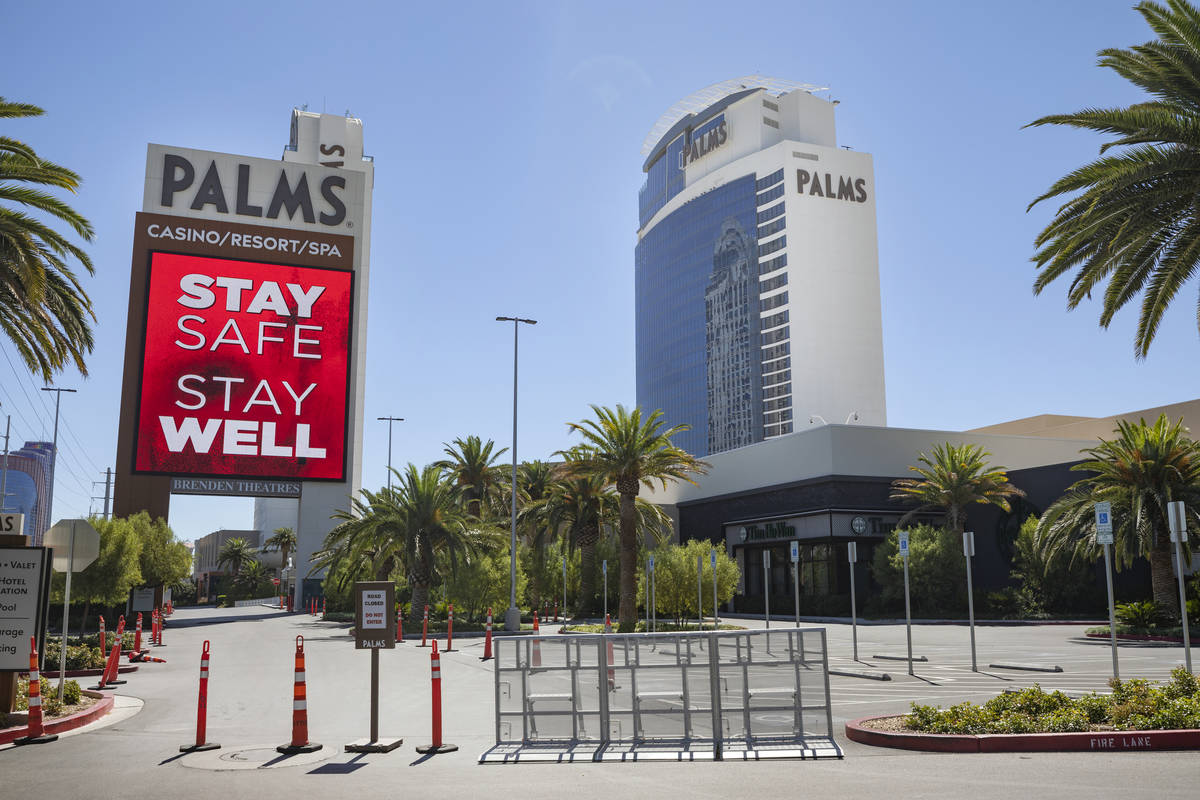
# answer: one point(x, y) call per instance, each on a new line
point(245, 367)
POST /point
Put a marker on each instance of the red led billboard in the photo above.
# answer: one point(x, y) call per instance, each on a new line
point(244, 369)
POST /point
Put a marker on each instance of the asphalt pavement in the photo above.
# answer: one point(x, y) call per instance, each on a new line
point(250, 705)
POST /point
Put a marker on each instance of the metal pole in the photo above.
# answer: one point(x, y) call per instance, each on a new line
point(62, 658)
point(712, 560)
point(374, 694)
point(699, 593)
point(653, 601)
point(907, 617)
point(604, 565)
point(512, 617)
point(968, 551)
point(564, 588)
point(4, 469)
point(107, 490)
point(767, 585)
point(852, 552)
point(796, 587)
point(1112, 616)
point(53, 456)
point(389, 421)
point(1187, 643)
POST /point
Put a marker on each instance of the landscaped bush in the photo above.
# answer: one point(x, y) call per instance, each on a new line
point(51, 705)
point(1134, 705)
point(78, 656)
point(1143, 614)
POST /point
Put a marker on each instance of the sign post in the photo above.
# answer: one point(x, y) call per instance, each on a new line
point(1104, 536)
point(903, 536)
point(699, 593)
point(796, 577)
point(651, 611)
point(76, 544)
point(852, 555)
point(374, 630)
point(968, 553)
point(564, 589)
point(767, 586)
point(1177, 517)
point(712, 559)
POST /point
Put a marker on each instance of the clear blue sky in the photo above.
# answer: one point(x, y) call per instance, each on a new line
point(506, 142)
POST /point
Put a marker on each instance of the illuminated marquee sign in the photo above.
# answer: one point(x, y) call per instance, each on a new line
point(245, 369)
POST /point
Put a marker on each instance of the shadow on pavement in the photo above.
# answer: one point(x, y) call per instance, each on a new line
point(340, 769)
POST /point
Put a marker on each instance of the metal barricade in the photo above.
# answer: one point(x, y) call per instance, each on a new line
point(673, 696)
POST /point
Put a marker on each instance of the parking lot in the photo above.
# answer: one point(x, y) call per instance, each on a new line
point(250, 700)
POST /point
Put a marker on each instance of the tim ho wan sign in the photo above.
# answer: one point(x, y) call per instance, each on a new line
point(245, 367)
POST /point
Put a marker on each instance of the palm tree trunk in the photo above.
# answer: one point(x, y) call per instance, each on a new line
point(1162, 575)
point(586, 602)
point(416, 610)
point(628, 531)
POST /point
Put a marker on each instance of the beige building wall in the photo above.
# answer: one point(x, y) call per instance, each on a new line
point(1058, 426)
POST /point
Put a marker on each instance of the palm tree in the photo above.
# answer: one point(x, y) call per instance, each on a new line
point(252, 578)
point(44, 310)
point(235, 553)
point(1139, 472)
point(471, 465)
point(1132, 226)
point(953, 479)
point(284, 540)
point(620, 448)
point(577, 505)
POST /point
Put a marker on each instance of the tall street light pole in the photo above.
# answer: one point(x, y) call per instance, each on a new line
point(512, 617)
point(4, 469)
point(389, 421)
point(54, 455)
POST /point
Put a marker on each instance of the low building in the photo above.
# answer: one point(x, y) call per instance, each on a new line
point(211, 577)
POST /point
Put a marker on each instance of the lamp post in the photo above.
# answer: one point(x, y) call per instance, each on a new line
point(512, 617)
point(54, 455)
point(389, 421)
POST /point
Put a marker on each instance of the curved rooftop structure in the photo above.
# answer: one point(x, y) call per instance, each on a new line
point(698, 101)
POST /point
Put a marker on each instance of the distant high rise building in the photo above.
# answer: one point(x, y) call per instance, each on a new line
point(27, 485)
point(739, 335)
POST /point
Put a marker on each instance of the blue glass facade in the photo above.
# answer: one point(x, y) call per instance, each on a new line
point(676, 263)
point(27, 485)
point(665, 177)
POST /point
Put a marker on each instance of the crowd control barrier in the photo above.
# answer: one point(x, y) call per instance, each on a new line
point(744, 695)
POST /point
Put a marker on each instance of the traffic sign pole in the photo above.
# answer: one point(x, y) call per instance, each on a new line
point(767, 585)
point(1104, 536)
point(852, 555)
point(968, 551)
point(1177, 517)
point(796, 577)
point(604, 569)
point(712, 560)
point(699, 593)
point(907, 605)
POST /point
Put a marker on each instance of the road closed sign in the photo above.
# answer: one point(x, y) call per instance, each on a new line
point(374, 615)
point(23, 586)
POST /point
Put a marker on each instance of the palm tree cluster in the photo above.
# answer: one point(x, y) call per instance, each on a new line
point(250, 577)
point(436, 518)
point(44, 310)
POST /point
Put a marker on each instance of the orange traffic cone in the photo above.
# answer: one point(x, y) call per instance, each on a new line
point(36, 734)
point(300, 742)
point(201, 742)
point(487, 642)
point(437, 746)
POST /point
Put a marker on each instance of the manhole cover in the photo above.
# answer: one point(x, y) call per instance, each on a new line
point(253, 757)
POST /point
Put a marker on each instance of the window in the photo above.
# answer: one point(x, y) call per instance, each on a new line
point(772, 179)
point(770, 213)
point(778, 377)
point(777, 404)
point(778, 262)
point(774, 301)
point(778, 416)
point(771, 228)
point(771, 246)
point(767, 104)
point(777, 335)
point(772, 123)
point(774, 321)
point(809, 156)
point(778, 391)
point(770, 285)
point(778, 364)
point(778, 350)
point(769, 195)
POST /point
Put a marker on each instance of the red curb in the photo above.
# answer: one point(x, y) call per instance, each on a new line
point(67, 723)
point(82, 673)
point(1085, 741)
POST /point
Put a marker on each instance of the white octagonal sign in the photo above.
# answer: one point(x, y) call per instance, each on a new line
point(87, 544)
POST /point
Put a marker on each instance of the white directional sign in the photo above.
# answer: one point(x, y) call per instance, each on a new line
point(374, 609)
point(968, 544)
point(795, 551)
point(652, 563)
point(903, 535)
point(852, 552)
point(1104, 524)
point(86, 544)
point(21, 571)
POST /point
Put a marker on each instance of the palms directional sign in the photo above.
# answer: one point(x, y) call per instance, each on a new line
point(1104, 525)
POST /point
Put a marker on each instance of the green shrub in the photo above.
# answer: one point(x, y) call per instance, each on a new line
point(1142, 614)
point(936, 568)
point(72, 694)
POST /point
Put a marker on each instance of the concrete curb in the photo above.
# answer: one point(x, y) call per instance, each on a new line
point(1027, 667)
point(81, 673)
point(871, 676)
point(1086, 741)
point(67, 723)
point(1138, 637)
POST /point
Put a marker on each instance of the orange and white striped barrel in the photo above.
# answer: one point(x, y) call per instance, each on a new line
point(201, 708)
point(487, 642)
point(299, 742)
point(36, 734)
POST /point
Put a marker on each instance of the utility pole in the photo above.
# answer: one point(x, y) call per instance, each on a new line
point(389, 421)
point(4, 469)
point(54, 455)
point(107, 492)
